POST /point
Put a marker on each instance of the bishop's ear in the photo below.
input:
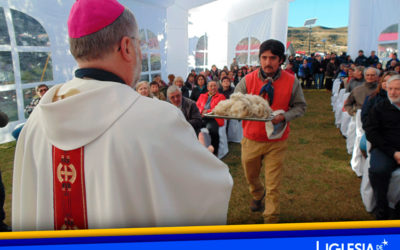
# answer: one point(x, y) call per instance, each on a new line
point(127, 48)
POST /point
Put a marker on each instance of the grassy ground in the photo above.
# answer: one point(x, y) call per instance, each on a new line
point(318, 183)
point(6, 167)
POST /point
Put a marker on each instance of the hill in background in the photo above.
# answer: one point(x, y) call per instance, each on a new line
point(335, 39)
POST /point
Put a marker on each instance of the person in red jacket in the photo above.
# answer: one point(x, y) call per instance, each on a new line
point(206, 103)
point(283, 92)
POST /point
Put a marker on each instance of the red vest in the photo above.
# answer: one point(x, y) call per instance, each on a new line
point(201, 103)
point(282, 93)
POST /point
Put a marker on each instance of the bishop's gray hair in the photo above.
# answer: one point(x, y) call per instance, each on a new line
point(98, 44)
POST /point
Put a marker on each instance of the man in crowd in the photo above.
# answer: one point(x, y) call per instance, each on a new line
point(318, 72)
point(372, 59)
point(162, 86)
point(383, 131)
point(393, 58)
point(187, 106)
point(233, 64)
point(40, 91)
point(283, 92)
point(358, 94)
point(361, 60)
point(357, 80)
point(155, 91)
point(96, 154)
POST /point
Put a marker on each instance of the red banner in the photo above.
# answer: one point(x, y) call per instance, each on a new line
point(69, 189)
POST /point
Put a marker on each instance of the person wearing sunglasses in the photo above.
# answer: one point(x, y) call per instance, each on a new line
point(40, 91)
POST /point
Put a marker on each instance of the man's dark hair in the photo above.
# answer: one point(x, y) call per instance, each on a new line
point(154, 83)
point(276, 47)
point(3, 119)
point(361, 51)
point(225, 77)
point(40, 86)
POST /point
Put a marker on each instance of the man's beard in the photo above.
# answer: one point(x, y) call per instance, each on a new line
point(395, 100)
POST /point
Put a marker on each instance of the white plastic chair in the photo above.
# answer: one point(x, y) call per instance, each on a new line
point(339, 107)
point(345, 121)
point(235, 131)
point(335, 91)
point(367, 193)
point(223, 148)
point(357, 159)
point(394, 189)
point(351, 134)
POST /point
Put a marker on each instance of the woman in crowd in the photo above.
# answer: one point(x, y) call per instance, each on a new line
point(143, 88)
point(222, 74)
point(238, 77)
point(345, 82)
point(207, 74)
point(201, 87)
point(178, 81)
point(289, 67)
point(171, 78)
point(244, 70)
point(349, 60)
point(380, 67)
point(330, 73)
point(305, 75)
point(190, 83)
point(231, 76)
point(206, 103)
point(397, 68)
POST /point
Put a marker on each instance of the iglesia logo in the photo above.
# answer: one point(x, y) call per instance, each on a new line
point(351, 246)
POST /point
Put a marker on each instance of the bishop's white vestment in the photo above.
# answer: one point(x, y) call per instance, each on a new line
point(140, 163)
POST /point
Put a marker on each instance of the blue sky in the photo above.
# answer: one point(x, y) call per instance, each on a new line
point(330, 13)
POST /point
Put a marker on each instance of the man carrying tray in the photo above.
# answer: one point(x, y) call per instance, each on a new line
point(284, 94)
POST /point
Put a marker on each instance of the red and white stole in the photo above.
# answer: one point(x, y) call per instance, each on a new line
point(69, 189)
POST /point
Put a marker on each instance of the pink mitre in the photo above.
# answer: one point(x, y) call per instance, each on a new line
point(89, 16)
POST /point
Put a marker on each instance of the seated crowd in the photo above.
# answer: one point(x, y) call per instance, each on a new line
point(376, 94)
point(198, 95)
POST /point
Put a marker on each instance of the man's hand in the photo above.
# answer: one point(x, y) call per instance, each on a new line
point(277, 119)
point(396, 156)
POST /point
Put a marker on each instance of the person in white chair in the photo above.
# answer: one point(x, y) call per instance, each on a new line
point(358, 94)
point(383, 131)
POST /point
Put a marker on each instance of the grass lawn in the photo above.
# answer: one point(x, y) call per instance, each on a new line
point(318, 183)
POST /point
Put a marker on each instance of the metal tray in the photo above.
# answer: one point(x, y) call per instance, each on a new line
point(211, 115)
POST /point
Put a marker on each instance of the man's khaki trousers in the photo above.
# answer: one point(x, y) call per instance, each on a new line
point(271, 153)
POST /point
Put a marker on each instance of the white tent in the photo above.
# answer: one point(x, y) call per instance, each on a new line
point(373, 25)
point(34, 41)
